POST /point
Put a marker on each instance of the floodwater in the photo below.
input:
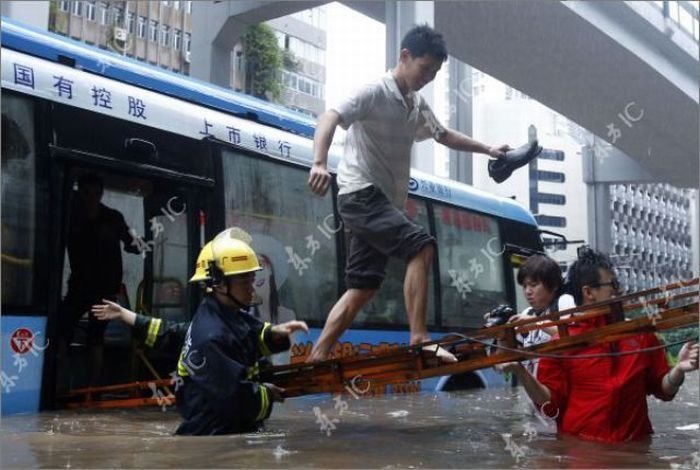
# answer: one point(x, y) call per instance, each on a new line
point(467, 429)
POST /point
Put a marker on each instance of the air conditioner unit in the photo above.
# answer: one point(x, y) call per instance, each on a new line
point(120, 34)
point(187, 57)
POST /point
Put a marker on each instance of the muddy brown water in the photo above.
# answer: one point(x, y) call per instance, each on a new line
point(468, 429)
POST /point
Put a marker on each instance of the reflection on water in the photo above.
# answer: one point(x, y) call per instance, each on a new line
point(475, 429)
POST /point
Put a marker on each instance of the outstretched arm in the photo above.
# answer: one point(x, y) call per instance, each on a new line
point(687, 362)
point(458, 141)
point(113, 311)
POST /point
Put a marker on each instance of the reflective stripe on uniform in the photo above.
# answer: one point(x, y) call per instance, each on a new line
point(264, 403)
point(182, 369)
point(153, 329)
point(252, 372)
point(261, 340)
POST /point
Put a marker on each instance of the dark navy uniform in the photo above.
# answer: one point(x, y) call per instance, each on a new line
point(159, 334)
point(218, 363)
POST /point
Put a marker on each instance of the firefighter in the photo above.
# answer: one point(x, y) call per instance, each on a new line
point(219, 358)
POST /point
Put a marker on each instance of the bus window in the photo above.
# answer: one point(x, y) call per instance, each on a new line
point(471, 266)
point(19, 220)
point(387, 306)
point(168, 230)
point(293, 233)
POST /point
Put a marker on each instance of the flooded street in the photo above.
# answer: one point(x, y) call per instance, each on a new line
point(472, 429)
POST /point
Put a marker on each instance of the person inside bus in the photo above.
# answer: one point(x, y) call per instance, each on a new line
point(224, 344)
point(95, 237)
point(603, 397)
point(383, 120)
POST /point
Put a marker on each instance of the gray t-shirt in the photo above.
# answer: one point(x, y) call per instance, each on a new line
point(382, 127)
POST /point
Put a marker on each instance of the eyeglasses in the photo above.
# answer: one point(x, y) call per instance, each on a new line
point(615, 284)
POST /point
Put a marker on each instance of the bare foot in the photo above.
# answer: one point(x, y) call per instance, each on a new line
point(316, 356)
point(442, 354)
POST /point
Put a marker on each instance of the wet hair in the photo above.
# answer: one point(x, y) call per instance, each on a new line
point(585, 271)
point(423, 40)
point(543, 269)
point(90, 179)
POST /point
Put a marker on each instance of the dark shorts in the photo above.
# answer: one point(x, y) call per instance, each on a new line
point(379, 230)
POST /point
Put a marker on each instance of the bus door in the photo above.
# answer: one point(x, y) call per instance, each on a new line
point(131, 235)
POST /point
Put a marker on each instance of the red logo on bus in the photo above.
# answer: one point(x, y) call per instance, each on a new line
point(22, 340)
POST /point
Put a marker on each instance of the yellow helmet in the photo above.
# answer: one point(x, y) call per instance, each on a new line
point(232, 256)
point(201, 270)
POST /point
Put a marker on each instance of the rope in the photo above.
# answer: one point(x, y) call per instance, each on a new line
point(578, 356)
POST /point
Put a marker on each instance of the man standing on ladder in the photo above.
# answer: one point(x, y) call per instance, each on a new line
point(383, 120)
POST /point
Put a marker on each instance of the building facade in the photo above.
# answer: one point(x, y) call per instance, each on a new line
point(304, 35)
point(157, 32)
point(653, 227)
point(651, 234)
point(552, 185)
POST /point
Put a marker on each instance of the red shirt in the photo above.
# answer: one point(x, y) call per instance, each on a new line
point(604, 398)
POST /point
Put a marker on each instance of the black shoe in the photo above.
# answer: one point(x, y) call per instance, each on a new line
point(500, 169)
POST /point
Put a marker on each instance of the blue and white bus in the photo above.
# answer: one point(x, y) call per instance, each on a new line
point(181, 160)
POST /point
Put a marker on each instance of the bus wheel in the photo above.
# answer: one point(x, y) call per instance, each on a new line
point(466, 381)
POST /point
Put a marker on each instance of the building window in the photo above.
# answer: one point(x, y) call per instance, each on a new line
point(307, 51)
point(177, 39)
point(547, 154)
point(176, 4)
point(64, 5)
point(303, 84)
point(188, 40)
point(118, 16)
point(130, 17)
point(104, 13)
point(553, 176)
point(189, 7)
point(77, 8)
point(165, 36)
point(281, 39)
point(551, 220)
point(547, 198)
point(142, 27)
point(153, 31)
point(165, 2)
point(90, 11)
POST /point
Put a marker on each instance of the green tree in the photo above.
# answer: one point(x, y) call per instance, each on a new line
point(264, 60)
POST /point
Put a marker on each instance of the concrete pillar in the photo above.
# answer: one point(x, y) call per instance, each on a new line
point(216, 26)
point(400, 17)
point(599, 212)
point(460, 96)
point(695, 231)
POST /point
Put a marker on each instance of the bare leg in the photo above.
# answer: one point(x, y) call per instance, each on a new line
point(415, 291)
point(341, 317)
